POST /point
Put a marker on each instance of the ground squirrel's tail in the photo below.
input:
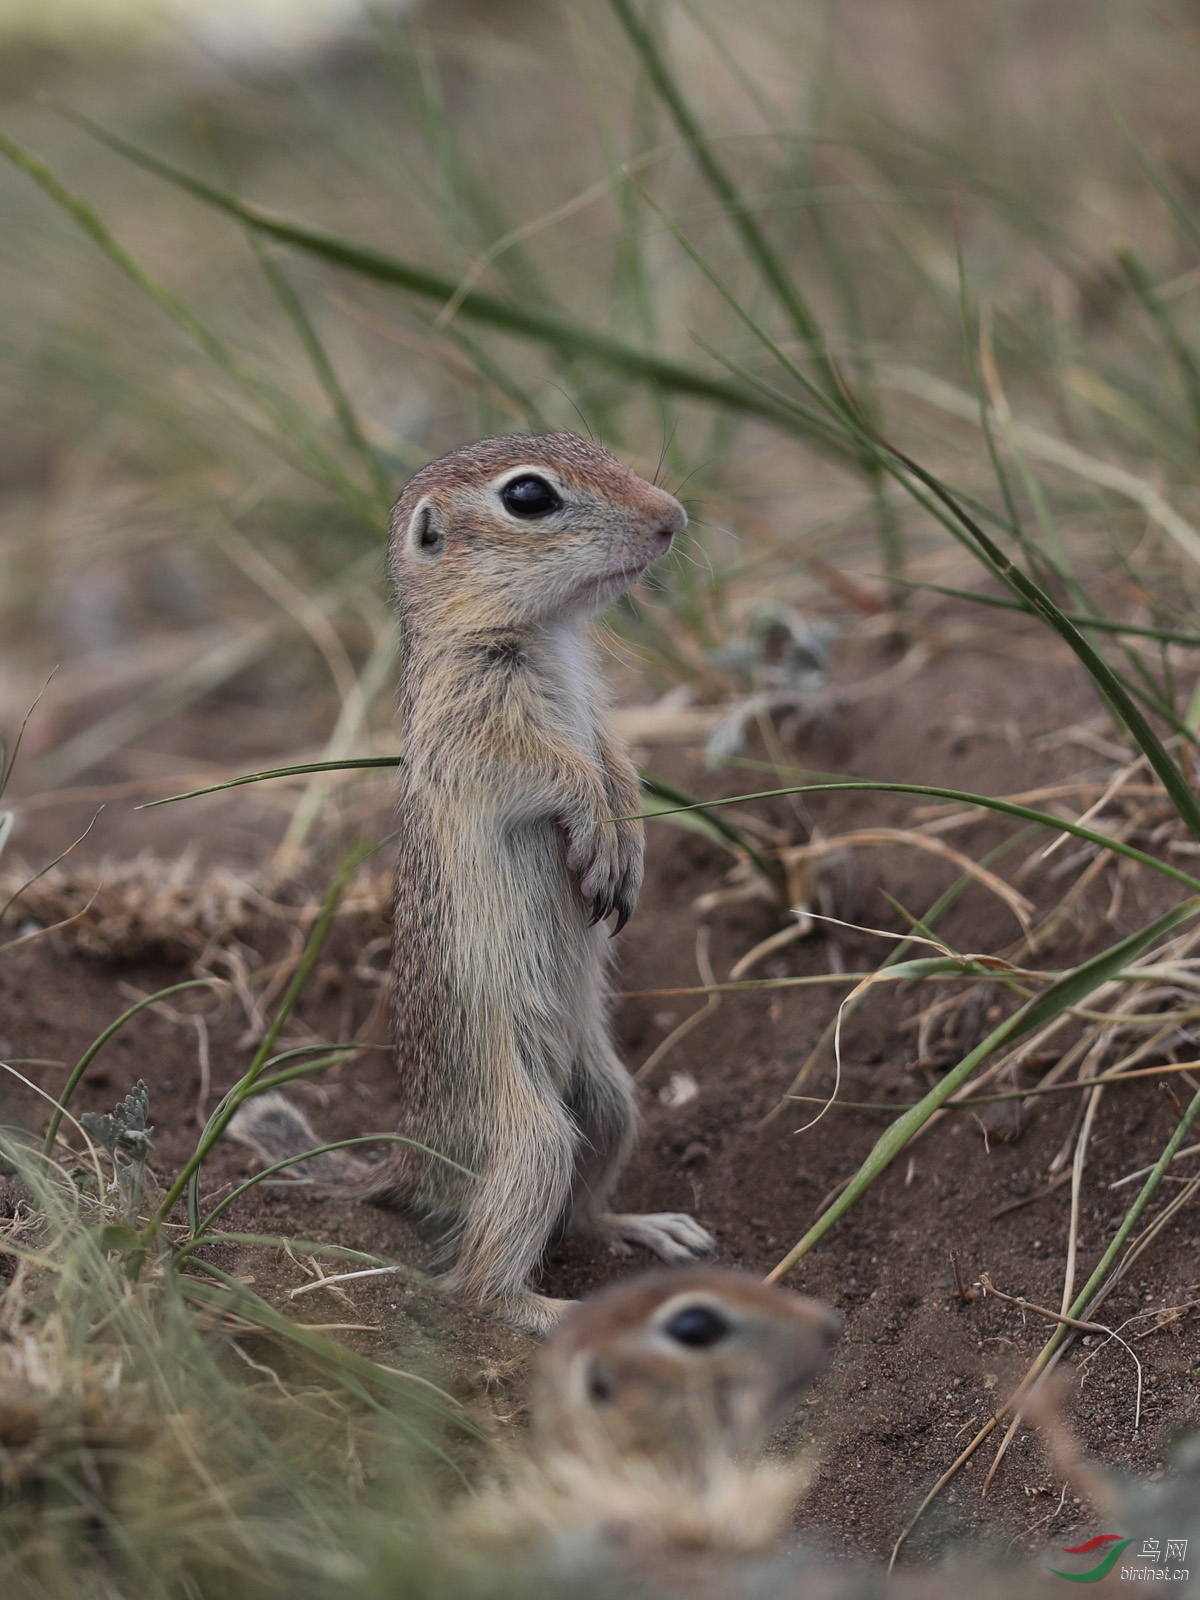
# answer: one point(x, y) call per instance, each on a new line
point(271, 1125)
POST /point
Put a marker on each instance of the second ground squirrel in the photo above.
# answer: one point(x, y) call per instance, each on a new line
point(510, 861)
point(651, 1404)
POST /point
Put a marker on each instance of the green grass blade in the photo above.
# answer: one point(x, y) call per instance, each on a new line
point(335, 393)
point(1102, 675)
point(311, 456)
point(669, 801)
point(98, 1043)
point(1081, 619)
point(1069, 990)
point(317, 1150)
point(189, 1177)
point(768, 262)
point(1181, 353)
point(1187, 223)
point(556, 334)
point(673, 801)
point(306, 769)
point(756, 244)
point(1005, 807)
point(972, 535)
point(356, 1373)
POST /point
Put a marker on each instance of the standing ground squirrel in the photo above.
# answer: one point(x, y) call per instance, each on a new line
point(509, 859)
point(650, 1406)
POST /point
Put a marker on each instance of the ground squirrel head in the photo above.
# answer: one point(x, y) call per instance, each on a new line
point(680, 1368)
point(525, 529)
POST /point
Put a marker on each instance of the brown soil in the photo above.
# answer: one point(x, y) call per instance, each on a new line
point(918, 1368)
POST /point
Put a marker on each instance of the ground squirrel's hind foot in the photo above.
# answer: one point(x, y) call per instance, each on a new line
point(529, 1312)
point(538, 1314)
point(671, 1235)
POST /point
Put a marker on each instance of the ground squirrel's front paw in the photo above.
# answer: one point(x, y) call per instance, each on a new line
point(672, 1235)
point(594, 854)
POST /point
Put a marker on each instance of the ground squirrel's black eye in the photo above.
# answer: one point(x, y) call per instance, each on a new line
point(698, 1327)
point(529, 497)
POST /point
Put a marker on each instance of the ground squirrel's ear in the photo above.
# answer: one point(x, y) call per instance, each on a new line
point(425, 535)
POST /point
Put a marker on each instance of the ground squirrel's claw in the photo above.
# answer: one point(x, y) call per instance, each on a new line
point(671, 1235)
point(600, 881)
point(626, 902)
point(602, 907)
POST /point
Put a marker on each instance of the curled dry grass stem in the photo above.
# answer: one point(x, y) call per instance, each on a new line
point(7, 817)
point(41, 932)
point(951, 968)
point(1105, 1275)
point(1076, 1326)
point(1017, 903)
point(1067, 990)
point(940, 907)
point(943, 968)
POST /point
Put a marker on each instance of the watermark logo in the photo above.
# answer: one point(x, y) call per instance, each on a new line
point(1156, 1560)
point(1111, 1543)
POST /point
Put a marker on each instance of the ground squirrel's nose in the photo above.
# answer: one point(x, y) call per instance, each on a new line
point(674, 519)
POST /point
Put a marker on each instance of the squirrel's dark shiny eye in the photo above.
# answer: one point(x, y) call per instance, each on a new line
point(529, 497)
point(698, 1327)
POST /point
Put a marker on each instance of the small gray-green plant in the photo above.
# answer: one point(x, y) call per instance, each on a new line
point(123, 1132)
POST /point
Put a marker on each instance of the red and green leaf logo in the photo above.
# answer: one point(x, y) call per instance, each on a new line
point(1103, 1567)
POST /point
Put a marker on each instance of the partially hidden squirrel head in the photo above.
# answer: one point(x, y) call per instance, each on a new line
point(680, 1368)
point(524, 530)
